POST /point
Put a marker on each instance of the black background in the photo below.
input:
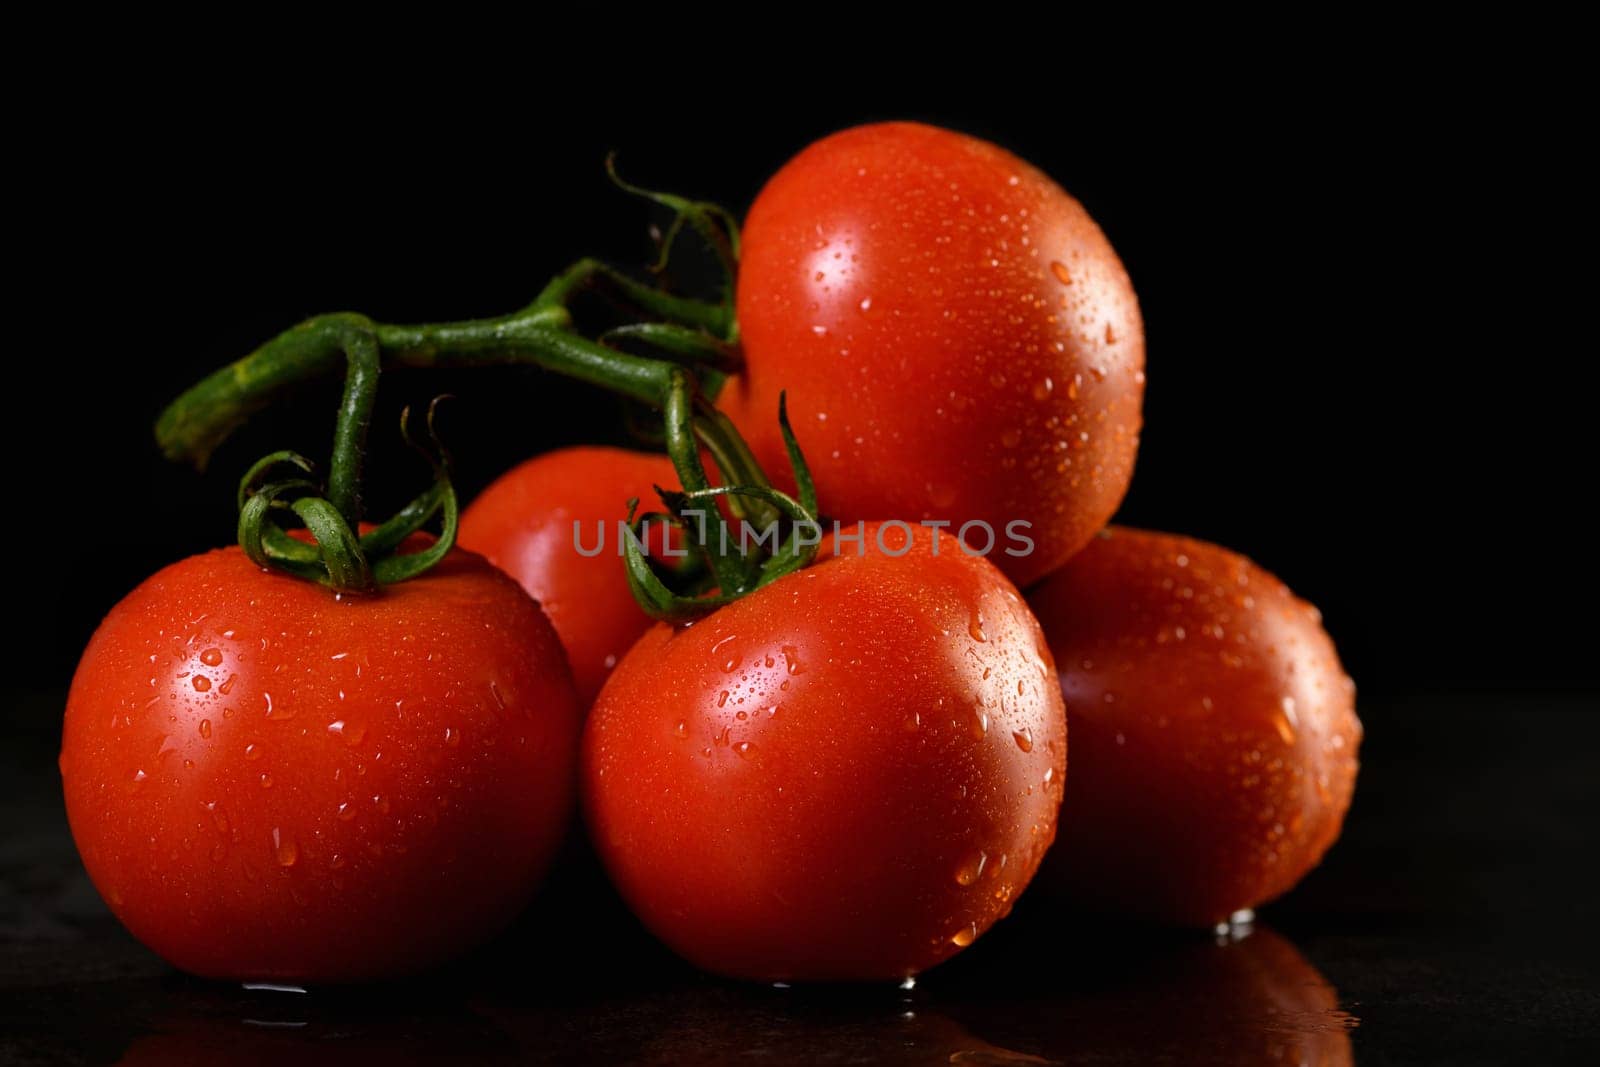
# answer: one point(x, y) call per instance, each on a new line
point(1367, 366)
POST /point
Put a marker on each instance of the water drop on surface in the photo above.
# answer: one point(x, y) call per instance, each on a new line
point(971, 868)
point(201, 683)
point(284, 848)
point(975, 627)
point(1024, 739)
point(211, 657)
point(965, 936)
point(1059, 269)
point(205, 728)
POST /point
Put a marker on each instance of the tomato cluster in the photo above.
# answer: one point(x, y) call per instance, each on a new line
point(841, 771)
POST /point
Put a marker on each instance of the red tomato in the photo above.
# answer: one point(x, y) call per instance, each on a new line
point(267, 781)
point(523, 524)
point(848, 774)
point(957, 338)
point(1214, 732)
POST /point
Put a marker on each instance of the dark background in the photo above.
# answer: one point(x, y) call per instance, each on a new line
point(1367, 366)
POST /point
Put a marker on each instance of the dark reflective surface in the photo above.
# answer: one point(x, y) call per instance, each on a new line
point(1450, 926)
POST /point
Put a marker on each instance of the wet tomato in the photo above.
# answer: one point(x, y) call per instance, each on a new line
point(848, 774)
point(1214, 732)
point(267, 781)
point(957, 337)
point(523, 523)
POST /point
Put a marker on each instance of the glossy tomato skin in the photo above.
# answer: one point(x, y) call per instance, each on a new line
point(1214, 731)
point(523, 524)
point(847, 775)
point(957, 338)
point(265, 781)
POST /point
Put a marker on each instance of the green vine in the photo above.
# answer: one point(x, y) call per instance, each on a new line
point(691, 346)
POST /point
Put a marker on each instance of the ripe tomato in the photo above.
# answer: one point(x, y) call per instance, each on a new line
point(1214, 732)
point(267, 781)
point(848, 774)
point(523, 524)
point(957, 338)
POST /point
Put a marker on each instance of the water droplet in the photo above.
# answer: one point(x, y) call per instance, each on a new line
point(732, 659)
point(1059, 269)
point(284, 848)
point(866, 303)
point(980, 724)
point(791, 659)
point(452, 736)
point(266, 781)
point(744, 748)
point(211, 657)
point(277, 713)
point(205, 728)
point(975, 627)
point(965, 936)
point(351, 732)
point(139, 776)
point(681, 730)
point(1111, 335)
point(913, 721)
point(201, 683)
point(1043, 388)
point(722, 698)
point(971, 868)
point(225, 686)
point(252, 751)
point(1024, 738)
point(1285, 729)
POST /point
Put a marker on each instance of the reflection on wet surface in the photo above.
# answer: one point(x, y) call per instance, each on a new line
point(1034, 997)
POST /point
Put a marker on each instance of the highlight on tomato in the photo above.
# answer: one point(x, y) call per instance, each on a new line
point(1214, 732)
point(957, 338)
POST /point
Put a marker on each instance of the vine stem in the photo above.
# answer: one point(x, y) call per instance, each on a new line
point(199, 420)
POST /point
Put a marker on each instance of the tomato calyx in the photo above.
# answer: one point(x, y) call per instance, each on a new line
point(277, 485)
point(736, 571)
